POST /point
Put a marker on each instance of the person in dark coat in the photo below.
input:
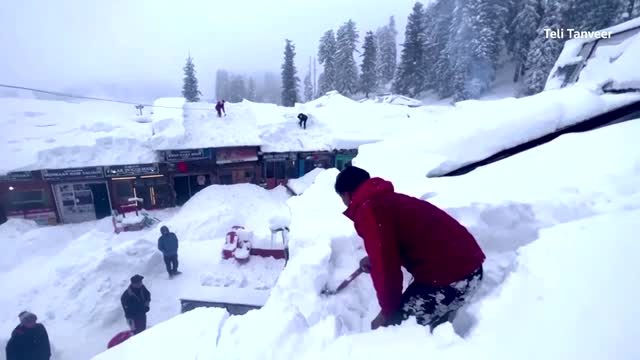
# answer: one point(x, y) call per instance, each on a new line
point(402, 231)
point(302, 120)
point(29, 340)
point(135, 303)
point(220, 108)
point(168, 245)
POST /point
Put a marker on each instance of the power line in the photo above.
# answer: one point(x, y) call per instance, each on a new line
point(55, 93)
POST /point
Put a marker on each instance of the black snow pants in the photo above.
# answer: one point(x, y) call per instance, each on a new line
point(433, 306)
point(171, 262)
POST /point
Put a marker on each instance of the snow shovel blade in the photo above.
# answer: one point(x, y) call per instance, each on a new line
point(344, 284)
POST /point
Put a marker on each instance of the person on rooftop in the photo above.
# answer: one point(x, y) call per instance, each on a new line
point(402, 231)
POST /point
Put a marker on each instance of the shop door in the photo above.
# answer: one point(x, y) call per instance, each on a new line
point(101, 200)
point(181, 187)
point(75, 202)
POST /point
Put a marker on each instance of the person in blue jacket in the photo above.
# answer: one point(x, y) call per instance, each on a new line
point(168, 245)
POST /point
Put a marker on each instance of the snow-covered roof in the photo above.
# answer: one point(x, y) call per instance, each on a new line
point(394, 99)
point(611, 61)
point(197, 125)
point(42, 134)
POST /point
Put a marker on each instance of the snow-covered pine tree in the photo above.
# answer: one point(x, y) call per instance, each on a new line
point(443, 18)
point(346, 68)
point(411, 74)
point(308, 87)
point(430, 47)
point(387, 51)
point(238, 91)
point(190, 87)
point(251, 90)
point(544, 50)
point(630, 9)
point(290, 80)
point(527, 22)
point(590, 15)
point(369, 77)
point(222, 84)
point(478, 33)
point(327, 57)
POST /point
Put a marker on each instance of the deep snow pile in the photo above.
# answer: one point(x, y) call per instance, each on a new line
point(72, 276)
point(555, 245)
point(298, 186)
point(41, 134)
point(484, 128)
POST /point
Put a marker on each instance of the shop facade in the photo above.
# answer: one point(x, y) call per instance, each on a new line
point(142, 181)
point(278, 168)
point(308, 161)
point(80, 194)
point(25, 195)
point(188, 172)
point(237, 165)
point(343, 158)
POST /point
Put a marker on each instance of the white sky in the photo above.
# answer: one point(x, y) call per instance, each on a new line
point(54, 44)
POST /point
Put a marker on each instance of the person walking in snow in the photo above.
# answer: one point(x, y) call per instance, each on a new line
point(302, 120)
point(402, 231)
point(168, 245)
point(135, 303)
point(220, 108)
point(29, 340)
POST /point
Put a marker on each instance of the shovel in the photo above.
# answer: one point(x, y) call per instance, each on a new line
point(343, 285)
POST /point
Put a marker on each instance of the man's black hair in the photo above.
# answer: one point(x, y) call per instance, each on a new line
point(350, 179)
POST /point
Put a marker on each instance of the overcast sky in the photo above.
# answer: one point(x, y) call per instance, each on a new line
point(56, 44)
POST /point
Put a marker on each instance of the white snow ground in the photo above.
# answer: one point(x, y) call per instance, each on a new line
point(556, 223)
point(561, 252)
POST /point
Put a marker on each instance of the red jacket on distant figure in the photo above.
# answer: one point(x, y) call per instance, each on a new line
point(400, 230)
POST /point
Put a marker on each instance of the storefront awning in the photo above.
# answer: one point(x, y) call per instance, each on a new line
point(234, 155)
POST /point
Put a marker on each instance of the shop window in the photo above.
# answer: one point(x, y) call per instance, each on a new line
point(154, 191)
point(28, 200)
point(292, 170)
point(123, 191)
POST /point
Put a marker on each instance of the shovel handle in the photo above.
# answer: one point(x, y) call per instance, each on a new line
point(351, 277)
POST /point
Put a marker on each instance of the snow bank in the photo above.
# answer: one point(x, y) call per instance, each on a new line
point(168, 122)
point(196, 330)
point(548, 308)
point(212, 212)
point(40, 134)
point(298, 186)
point(485, 128)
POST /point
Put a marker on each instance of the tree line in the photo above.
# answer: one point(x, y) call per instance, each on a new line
point(451, 48)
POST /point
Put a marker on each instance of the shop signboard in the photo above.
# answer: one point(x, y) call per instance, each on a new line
point(94, 172)
point(17, 176)
point(234, 155)
point(131, 170)
point(187, 155)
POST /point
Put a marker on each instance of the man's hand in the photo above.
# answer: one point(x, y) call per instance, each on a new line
point(365, 265)
point(380, 320)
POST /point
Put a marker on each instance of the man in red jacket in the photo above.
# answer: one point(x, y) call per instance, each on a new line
point(402, 231)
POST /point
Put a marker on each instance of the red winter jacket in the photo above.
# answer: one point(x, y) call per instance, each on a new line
point(400, 230)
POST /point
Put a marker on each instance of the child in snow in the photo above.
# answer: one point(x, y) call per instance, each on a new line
point(29, 340)
point(399, 230)
point(135, 303)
